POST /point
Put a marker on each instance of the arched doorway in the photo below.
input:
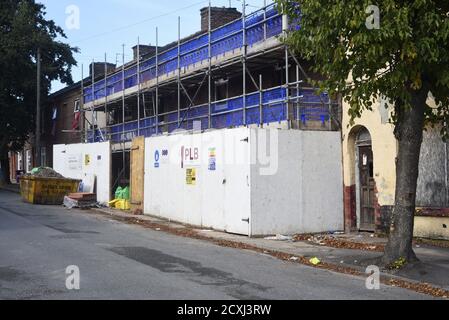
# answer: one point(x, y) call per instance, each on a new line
point(365, 183)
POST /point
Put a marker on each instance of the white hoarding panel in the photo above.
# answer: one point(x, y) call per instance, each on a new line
point(88, 162)
point(187, 180)
point(247, 181)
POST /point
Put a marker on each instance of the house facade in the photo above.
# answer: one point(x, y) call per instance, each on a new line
point(369, 157)
point(63, 122)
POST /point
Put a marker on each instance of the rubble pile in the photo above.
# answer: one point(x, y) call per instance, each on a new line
point(44, 172)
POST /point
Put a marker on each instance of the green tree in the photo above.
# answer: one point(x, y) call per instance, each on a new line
point(24, 29)
point(404, 60)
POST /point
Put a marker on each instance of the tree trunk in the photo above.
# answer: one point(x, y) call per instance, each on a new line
point(409, 133)
point(4, 161)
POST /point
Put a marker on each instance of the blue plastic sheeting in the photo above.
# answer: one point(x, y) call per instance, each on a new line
point(310, 96)
point(314, 113)
point(224, 114)
point(99, 136)
point(313, 107)
point(228, 114)
point(223, 40)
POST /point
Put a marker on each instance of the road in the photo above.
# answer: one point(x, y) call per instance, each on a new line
point(121, 261)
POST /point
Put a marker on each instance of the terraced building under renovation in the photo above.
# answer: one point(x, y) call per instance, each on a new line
point(220, 129)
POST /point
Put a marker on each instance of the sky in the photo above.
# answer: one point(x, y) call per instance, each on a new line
point(103, 26)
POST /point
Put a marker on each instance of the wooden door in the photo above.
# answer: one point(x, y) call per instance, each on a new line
point(367, 196)
point(137, 174)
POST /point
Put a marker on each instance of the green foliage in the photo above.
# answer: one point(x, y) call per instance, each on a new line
point(397, 264)
point(24, 29)
point(407, 54)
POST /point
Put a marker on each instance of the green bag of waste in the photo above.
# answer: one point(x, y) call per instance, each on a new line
point(125, 194)
point(35, 170)
point(118, 193)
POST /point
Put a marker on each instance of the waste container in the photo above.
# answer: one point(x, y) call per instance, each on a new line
point(48, 191)
point(19, 173)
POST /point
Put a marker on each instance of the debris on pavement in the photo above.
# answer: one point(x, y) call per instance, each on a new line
point(432, 242)
point(280, 237)
point(80, 200)
point(330, 240)
point(294, 258)
point(315, 261)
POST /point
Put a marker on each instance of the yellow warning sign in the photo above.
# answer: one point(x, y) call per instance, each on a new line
point(86, 159)
point(191, 176)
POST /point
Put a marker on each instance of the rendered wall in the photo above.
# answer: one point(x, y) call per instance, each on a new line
point(83, 161)
point(432, 227)
point(305, 193)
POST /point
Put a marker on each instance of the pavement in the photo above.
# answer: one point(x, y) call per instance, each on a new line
point(118, 260)
point(11, 187)
point(432, 269)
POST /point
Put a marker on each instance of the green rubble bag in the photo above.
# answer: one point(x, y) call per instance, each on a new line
point(119, 193)
point(125, 194)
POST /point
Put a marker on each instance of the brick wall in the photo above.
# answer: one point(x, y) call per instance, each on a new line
point(144, 50)
point(350, 208)
point(98, 68)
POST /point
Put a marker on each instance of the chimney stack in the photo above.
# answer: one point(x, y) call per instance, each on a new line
point(99, 68)
point(219, 17)
point(145, 50)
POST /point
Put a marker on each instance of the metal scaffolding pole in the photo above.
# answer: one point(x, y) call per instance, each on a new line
point(93, 100)
point(265, 20)
point(244, 60)
point(123, 108)
point(287, 82)
point(209, 71)
point(37, 160)
point(83, 137)
point(106, 88)
point(297, 93)
point(138, 86)
point(179, 71)
point(261, 101)
point(157, 81)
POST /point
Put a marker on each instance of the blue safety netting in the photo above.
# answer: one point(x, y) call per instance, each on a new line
point(228, 114)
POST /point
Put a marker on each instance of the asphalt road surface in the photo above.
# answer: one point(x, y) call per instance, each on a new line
point(121, 261)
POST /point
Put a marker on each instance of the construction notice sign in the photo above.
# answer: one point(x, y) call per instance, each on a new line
point(87, 160)
point(191, 176)
point(212, 159)
point(74, 161)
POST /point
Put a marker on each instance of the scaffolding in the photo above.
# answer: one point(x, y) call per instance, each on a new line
point(243, 45)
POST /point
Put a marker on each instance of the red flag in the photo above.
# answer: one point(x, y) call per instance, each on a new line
point(76, 121)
